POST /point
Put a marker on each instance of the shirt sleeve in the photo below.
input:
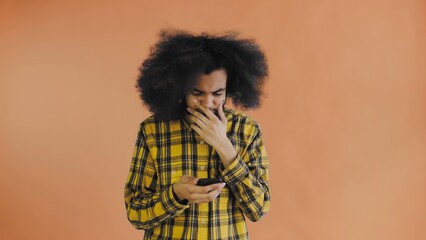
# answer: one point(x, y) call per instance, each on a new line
point(147, 205)
point(247, 178)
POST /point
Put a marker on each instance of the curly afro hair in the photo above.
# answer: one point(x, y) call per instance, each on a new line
point(179, 58)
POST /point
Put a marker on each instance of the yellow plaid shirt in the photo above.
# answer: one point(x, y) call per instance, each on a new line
point(165, 151)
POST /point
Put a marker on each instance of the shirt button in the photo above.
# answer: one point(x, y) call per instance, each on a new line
point(201, 142)
point(173, 172)
point(203, 221)
point(202, 168)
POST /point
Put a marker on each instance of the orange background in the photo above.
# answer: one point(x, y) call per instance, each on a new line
point(344, 117)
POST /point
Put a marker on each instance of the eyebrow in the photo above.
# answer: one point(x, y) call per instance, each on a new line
point(198, 90)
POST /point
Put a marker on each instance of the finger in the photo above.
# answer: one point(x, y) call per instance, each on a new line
point(221, 113)
point(210, 188)
point(213, 194)
point(214, 187)
point(198, 121)
point(197, 191)
point(197, 114)
point(197, 129)
point(210, 115)
point(185, 179)
point(195, 180)
point(198, 199)
point(205, 197)
point(220, 186)
point(203, 189)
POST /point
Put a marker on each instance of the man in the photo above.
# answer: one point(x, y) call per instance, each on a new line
point(185, 82)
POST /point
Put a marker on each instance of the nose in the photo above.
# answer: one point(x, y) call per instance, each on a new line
point(208, 101)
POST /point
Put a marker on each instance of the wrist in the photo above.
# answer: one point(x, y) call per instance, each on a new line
point(227, 153)
point(175, 195)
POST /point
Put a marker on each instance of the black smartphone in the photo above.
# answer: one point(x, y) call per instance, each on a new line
point(208, 181)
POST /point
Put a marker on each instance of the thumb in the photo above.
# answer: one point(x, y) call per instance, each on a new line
point(188, 179)
point(194, 180)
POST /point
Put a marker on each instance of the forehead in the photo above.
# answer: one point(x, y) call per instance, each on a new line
point(212, 82)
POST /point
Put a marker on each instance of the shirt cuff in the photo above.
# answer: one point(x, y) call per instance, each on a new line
point(236, 171)
point(171, 204)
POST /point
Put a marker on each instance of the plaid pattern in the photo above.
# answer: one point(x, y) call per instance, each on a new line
point(165, 151)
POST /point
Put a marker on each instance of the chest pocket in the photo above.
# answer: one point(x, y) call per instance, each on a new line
point(170, 173)
point(174, 176)
point(173, 166)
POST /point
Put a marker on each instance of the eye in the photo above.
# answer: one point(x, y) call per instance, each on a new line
point(196, 93)
point(217, 94)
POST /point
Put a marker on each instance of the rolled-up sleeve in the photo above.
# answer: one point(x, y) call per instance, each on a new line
point(247, 177)
point(146, 204)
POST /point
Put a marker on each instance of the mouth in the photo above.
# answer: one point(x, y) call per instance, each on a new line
point(215, 111)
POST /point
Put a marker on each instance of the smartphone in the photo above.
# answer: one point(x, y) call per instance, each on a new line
point(208, 181)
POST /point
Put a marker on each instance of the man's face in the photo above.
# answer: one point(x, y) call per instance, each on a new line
point(210, 91)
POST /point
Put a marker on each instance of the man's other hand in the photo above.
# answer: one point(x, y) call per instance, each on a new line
point(186, 188)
